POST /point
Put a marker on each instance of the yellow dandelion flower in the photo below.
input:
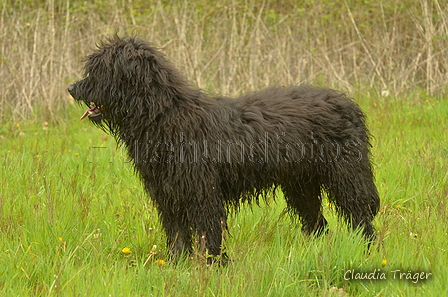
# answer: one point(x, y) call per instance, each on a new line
point(37, 156)
point(160, 262)
point(76, 154)
point(374, 104)
point(329, 205)
point(18, 125)
point(384, 262)
point(60, 239)
point(398, 206)
point(126, 251)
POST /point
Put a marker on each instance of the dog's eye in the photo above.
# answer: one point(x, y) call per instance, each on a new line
point(89, 77)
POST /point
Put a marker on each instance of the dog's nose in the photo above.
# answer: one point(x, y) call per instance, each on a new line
point(70, 89)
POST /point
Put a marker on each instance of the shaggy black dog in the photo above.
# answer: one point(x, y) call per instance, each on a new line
point(200, 156)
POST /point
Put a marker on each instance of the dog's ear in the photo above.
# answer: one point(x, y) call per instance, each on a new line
point(158, 69)
point(142, 65)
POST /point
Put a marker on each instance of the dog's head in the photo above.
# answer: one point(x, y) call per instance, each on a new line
point(118, 78)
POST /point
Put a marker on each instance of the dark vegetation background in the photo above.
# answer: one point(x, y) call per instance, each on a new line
point(381, 48)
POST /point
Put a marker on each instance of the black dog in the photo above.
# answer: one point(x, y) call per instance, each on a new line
point(200, 156)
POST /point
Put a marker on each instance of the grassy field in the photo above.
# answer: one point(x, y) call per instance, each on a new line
point(70, 203)
point(75, 221)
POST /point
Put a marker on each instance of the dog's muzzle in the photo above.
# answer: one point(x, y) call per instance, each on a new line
point(93, 112)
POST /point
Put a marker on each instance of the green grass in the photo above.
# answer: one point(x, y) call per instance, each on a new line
point(68, 209)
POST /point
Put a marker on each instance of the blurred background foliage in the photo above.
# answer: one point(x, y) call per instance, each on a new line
point(390, 49)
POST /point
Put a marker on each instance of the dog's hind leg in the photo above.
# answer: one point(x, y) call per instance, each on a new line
point(354, 194)
point(304, 200)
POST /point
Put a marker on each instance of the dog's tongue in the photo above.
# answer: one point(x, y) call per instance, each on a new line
point(90, 111)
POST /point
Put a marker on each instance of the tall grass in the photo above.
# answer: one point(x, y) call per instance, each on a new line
point(69, 204)
point(391, 47)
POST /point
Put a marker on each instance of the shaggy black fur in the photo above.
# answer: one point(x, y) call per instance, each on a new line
point(200, 156)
